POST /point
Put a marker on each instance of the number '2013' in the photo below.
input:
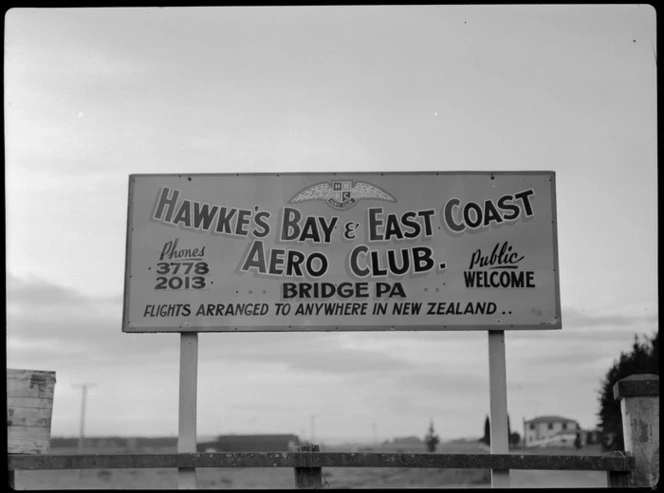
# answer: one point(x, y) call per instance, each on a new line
point(177, 282)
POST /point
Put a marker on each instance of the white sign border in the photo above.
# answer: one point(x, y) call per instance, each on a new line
point(556, 325)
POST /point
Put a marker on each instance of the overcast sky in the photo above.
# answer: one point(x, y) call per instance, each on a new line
point(93, 95)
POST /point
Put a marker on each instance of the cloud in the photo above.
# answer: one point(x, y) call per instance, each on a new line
point(319, 352)
point(432, 380)
point(576, 317)
point(48, 323)
point(36, 292)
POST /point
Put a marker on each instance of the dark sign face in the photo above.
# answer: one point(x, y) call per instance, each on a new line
point(352, 251)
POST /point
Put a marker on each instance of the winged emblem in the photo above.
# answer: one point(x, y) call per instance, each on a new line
point(342, 194)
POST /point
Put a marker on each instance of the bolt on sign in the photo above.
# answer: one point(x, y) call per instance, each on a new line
point(341, 251)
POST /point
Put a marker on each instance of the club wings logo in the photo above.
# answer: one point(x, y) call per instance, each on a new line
point(341, 194)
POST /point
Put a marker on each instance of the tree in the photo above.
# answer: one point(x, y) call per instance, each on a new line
point(644, 358)
point(431, 439)
point(513, 437)
point(486, 439)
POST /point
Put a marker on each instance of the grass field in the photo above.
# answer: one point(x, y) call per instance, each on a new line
point(242, 478)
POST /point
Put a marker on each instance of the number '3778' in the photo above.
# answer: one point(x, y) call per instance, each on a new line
point(183, 268)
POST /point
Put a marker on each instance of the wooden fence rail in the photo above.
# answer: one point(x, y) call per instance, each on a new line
point(29, 462)
point(307, 465)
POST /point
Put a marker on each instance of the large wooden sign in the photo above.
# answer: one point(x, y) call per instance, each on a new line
point(341, 251)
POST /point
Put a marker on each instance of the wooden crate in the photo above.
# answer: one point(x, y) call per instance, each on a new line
point(29, 410)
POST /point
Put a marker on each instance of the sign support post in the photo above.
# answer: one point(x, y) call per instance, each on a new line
point(187, 405)
point(498, 402)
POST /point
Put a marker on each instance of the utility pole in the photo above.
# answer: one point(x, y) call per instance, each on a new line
point(373, 429)
point(313, 428)
point(84, 388)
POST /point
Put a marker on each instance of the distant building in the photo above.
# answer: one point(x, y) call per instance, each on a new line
point(411, 440)
point(590, 437)
point(400, 444)
point(116, 444)
point(550, 431)
point(251, 443)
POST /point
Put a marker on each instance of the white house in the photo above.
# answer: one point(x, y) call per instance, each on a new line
point(547, 431)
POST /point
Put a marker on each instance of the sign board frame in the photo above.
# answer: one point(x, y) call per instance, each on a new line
point(128, 326)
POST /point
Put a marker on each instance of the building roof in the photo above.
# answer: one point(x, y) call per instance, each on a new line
point(539, 419)
point(240, 443)
point(284, 436)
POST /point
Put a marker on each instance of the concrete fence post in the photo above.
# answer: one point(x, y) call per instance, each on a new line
point(308, 477)
point(639, 406)
point(29, 412)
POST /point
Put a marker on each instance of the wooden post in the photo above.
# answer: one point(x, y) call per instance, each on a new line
point(639, 406)
point(500, 478)
point(308, 477)
point(29, 413)
point(187, 405)
point(29, 410)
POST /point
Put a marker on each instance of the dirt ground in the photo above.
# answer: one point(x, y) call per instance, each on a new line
point(280, 478)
